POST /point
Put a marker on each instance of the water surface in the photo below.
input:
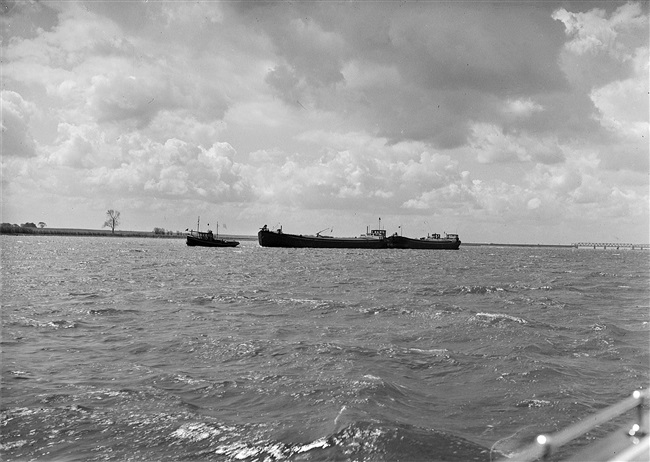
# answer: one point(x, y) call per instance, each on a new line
point(145, 349)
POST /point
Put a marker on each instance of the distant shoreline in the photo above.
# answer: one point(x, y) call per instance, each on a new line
point(483, 244)
point(19, 230)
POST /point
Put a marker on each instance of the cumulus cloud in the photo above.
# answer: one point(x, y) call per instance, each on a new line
point(623, 104)
point(475, 113)
point(534, 203)
point(606, 57)
point(521, 107)
point(410, 57)
point(17, 139)
point(493, 145)
point(602, 48)
point(179, 170)
point(593, 32)
point(77, 146)
point(286, 83)
point(125, 97)
point(351, 170)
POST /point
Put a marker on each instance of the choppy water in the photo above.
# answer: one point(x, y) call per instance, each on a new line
point(145, 349)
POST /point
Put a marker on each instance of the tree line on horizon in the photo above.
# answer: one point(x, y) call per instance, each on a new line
point(29, 224)
point(112, 222)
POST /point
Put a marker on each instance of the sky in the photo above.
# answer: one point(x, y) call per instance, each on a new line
point(504, 122)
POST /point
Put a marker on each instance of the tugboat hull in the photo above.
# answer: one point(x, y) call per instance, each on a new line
point(201, 241)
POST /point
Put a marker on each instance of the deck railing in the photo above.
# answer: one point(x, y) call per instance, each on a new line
point(545, 445)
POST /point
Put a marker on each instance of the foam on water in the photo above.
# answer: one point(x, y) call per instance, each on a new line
point(145, 349)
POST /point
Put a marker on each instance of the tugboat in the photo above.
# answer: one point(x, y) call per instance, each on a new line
point(207, 239)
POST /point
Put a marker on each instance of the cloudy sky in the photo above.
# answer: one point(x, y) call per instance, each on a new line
point(521, 122)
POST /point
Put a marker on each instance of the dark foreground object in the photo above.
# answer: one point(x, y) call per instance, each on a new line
point(630, 443)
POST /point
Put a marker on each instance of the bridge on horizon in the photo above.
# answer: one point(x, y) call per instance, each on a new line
point(611, 245)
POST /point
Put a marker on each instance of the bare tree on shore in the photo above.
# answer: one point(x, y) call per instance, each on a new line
point(112, 220)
